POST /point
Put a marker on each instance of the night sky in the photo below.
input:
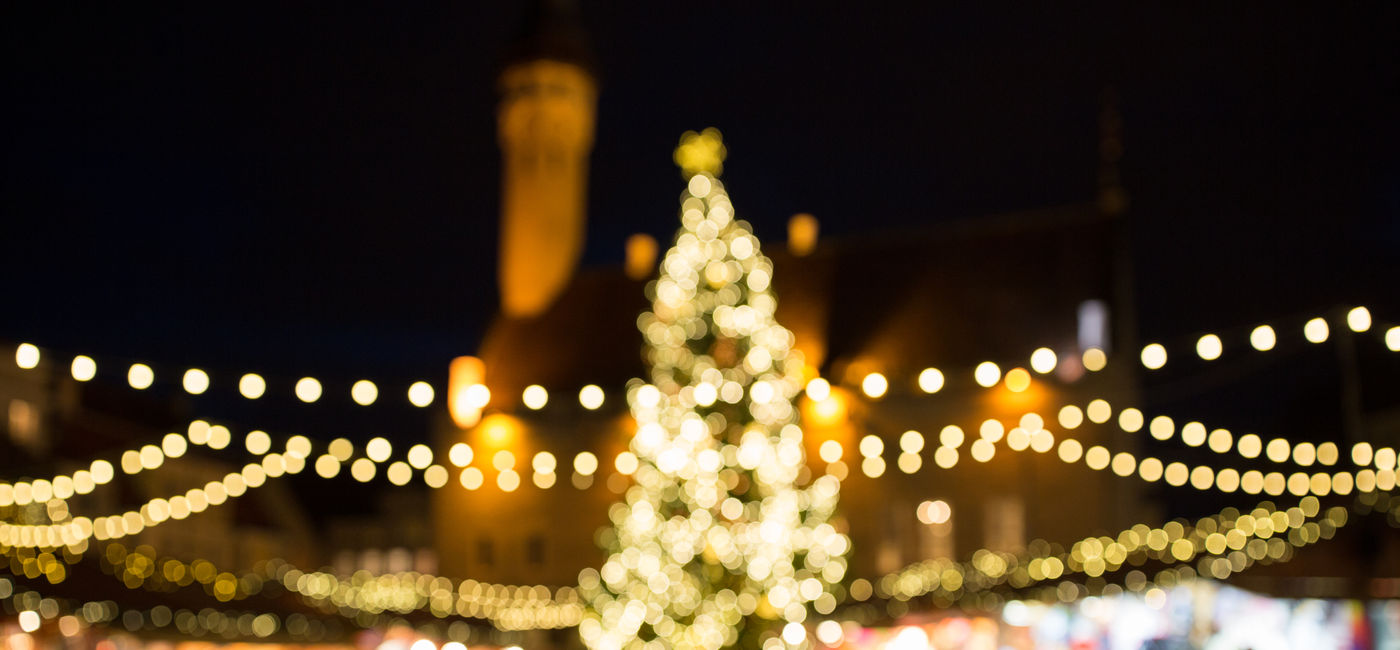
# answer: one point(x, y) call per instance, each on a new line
point(314, 188)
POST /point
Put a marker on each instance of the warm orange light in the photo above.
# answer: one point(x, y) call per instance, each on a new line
point(641, 256)
point(1018, 380)
point(802, 234)
point(463, 400)
point(827, 412)
point(499, 431)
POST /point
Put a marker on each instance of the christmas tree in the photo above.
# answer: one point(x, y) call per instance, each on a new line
point(723, 538)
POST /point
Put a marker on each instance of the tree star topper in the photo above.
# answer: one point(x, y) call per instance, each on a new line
point(701, 152)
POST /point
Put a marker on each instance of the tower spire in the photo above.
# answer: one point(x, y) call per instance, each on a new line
point(545, 124)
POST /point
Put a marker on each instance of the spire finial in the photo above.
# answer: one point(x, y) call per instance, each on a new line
point(701, 152)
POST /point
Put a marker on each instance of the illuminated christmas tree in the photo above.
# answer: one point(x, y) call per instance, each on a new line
point(723, 538)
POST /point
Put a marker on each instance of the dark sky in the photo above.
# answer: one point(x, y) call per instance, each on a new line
point(316, 186)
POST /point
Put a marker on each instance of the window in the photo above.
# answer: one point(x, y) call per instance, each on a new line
point(1093, 325)
point(1006, 524)
point(24, 424)
point(534, 550)
point(485, 552)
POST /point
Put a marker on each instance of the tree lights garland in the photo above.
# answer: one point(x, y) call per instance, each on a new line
point(1223, 544)
point(718, 541)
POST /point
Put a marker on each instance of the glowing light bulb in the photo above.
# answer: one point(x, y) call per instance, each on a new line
point(308, 389)
point(252, 386)
point(931, 380)
point(1018, 380)
point(535, 397)
point(1154, 356)
point(84, 368)
point(591, 396)
point(27, 356)
point(874, 385)
point(818, 389)
point(987, 374)
point(364, 392)
point(195, 381)
point(1208, 347)
point(1043, 360)
point(1359, 319)
point(420, 394)
point(140, 376)
point(1263, 338)
point(1315, 330)
point(1095, 359)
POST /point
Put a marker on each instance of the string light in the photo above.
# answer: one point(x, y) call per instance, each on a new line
point(140, 376)
point(84, 368)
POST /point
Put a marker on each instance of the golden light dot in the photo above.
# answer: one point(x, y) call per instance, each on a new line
point(1305, 454)
point(911, 442)
point(1176, 474)
point(1315, 330)
point(591, 397)
point(1249, 445)
point(1043, 360)
point(252, 386)
point(364, 392)
point(1202, 477)
point(1161, 427)
point(195, 381)
point(873, 466)
point(1392, 339)
point(399, 473)
point(934, 512)
point(585, 463)
point(535, 397)
point(931, 380)
point(830, 451)
point(544, 463)
point(379, 449)
point(460, 454)
point(420, 394)
point(327, 466)
point(1277, 450)
point(1252, 482)
point(435, 476)
point(257, 442)
point(1124, 464)
point(871, 446)
point(1154, 356)
point(1150, 469)
point(140, 376)
point(84, 368)
point(1130, 420)
point(946, 457)
point(1227, 480)
point(420, 456)
point(1070, 450)
point(1361, 454)
point(626, 462)
point(987, 374)
point(951, 436)
point(1018, 380)
point(874, 385)
point(1263, 338)
point(1359, 319)
point(1096, 457)
point(818, 389)
point(1193, 434)
point(341, 448)
point(1208, 347)
point(1220, 441)
point(1099, 411)
point(362, 470)
point(1327, 453)
point(308, 389)
point(992, 430)
point(471, 478)
point(27, 356)
point(1094, 359)
point(910, 462)
point(503, 460)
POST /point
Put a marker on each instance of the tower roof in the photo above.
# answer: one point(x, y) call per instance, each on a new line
point(552, 30)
